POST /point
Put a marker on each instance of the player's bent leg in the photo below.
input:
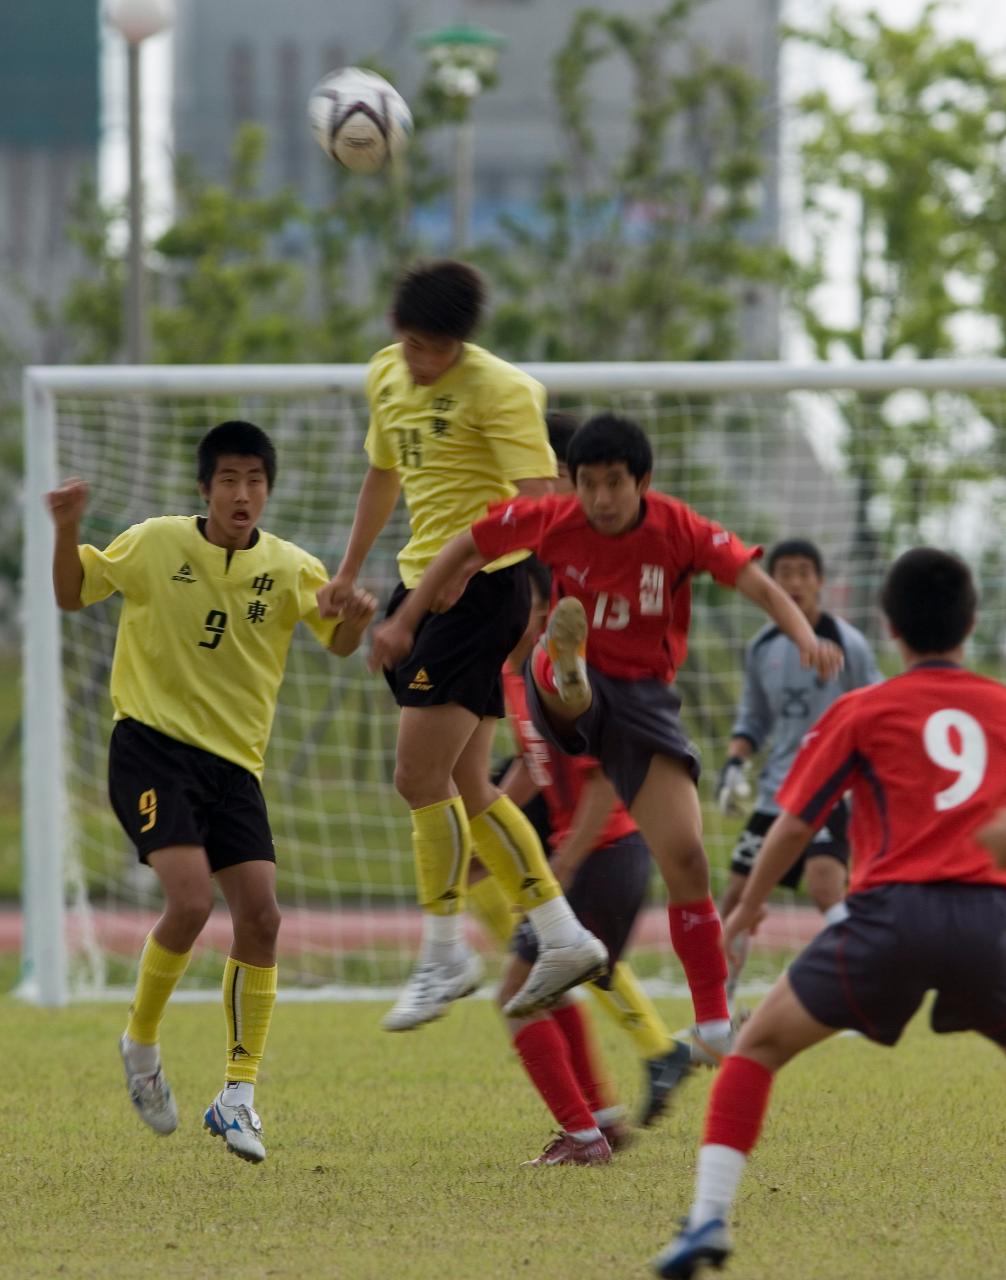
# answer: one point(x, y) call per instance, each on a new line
point(545, 1055)
point(184, 873)
point(666, 810)
point(489, 904)
point(249, 996)
point(559, 664)
point(779, 1029)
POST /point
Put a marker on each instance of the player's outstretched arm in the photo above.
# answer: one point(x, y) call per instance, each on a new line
point(66, 506)
point(378, 496)
point(357, 613)
point(393, 639)
point(824, 656)
point(787, 838)
point(593, 809)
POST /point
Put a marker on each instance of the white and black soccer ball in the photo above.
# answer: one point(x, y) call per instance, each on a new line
point(359, 119)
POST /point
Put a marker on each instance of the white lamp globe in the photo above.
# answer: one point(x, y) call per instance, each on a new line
point(137, 20)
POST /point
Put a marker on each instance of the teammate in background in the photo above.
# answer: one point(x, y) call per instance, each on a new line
point(925, 756)
point(622, 997)
point(622, 556)
point(209, 607)
point(780, 701)
point(457, 429)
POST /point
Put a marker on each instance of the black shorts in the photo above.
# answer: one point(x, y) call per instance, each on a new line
point(458, 655)
point(627, 724)
point(832, 841)
point(606, 896)
point(166, 793)
point(871, 972)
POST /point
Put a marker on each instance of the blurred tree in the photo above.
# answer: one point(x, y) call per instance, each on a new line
point(647, 250)
point(913, 156)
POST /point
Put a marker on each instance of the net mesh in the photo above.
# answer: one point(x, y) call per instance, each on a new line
point(862, 476)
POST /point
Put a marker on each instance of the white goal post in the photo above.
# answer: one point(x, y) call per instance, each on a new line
point(774, 443)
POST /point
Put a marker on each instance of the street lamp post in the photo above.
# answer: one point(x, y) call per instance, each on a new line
point(462, 61)
point(136, 21)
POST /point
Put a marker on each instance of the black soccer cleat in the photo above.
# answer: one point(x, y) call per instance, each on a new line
point(663, 1075)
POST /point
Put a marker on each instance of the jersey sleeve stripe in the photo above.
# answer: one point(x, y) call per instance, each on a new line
point(829, 791)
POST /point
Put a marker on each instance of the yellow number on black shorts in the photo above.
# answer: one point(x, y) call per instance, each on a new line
point(148, 809)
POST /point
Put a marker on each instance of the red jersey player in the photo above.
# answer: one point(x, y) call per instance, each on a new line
point(925, 757)
point(622, 557)
point(603, 865)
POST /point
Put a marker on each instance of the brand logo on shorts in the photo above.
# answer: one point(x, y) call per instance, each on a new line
point(184, 574)
point(421, 681)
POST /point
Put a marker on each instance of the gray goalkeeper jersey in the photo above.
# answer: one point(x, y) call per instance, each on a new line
point(781, 700)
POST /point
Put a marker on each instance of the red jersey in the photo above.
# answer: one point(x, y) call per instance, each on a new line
point(560, 777)
point(634, 586)
point(925, 756)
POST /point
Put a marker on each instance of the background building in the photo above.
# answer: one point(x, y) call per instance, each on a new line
point(49, 126)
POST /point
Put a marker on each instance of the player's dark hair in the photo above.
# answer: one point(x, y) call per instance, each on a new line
point(562, 426)
point(608, 438)
point(541, 577)
point(235, 436)
point(445, 298)
point(930, 598)
point(792, 547)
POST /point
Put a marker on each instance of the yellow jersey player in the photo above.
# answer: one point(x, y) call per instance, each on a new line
point(457, 429)
point(209, 607)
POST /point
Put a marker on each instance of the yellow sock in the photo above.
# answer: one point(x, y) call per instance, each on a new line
point(442, 846)
point(249, 996)
point(488, 903)
point(160, 971)
point(509, 846)
point(629, 1005)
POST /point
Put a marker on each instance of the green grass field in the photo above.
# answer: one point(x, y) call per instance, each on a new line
point(397, 1156)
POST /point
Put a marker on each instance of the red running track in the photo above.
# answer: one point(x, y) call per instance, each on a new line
point(352, 929)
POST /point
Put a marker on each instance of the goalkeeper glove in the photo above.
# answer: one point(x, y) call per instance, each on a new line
point(733, 786)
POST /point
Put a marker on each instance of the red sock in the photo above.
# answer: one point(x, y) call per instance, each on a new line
point(583, 1055)
point(541, 669)
point(543, 1050)
point(696, 935)
point(738, 1103)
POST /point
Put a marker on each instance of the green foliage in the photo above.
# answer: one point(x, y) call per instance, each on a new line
point(635, 254)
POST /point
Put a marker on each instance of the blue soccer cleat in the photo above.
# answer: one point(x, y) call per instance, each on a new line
point(694, 1248)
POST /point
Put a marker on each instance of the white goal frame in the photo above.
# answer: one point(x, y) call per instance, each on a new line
point(45, 969)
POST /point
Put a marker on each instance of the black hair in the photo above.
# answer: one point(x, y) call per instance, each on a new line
point(444, 298)
point(541, 577)
point(801, 547)
point(242, 438)
point(608, 438)
point(930, 598)
point(562, 426)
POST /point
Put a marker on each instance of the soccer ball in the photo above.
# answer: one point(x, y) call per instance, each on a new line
point(359, 119)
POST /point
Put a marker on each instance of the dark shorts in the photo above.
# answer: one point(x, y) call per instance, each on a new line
point(458, 655)
point(166, 793)
point(871, 972)
point(606, 895)
point(627, 724)
point(831, 841)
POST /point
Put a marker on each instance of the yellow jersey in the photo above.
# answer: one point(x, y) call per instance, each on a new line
point(204, 633)
point(458, 445)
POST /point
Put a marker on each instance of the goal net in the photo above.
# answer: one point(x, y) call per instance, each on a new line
point(864, 460)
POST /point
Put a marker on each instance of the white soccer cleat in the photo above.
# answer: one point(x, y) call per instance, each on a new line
point(556, 970)
point(239, 1126)
point(566, 645)
point(431, 990)
point(151, 1095)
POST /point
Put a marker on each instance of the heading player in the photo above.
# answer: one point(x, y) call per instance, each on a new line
point(210, 604)
point(780, 701)
point(622, 557)
point(456, 429)
point(925, 756)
